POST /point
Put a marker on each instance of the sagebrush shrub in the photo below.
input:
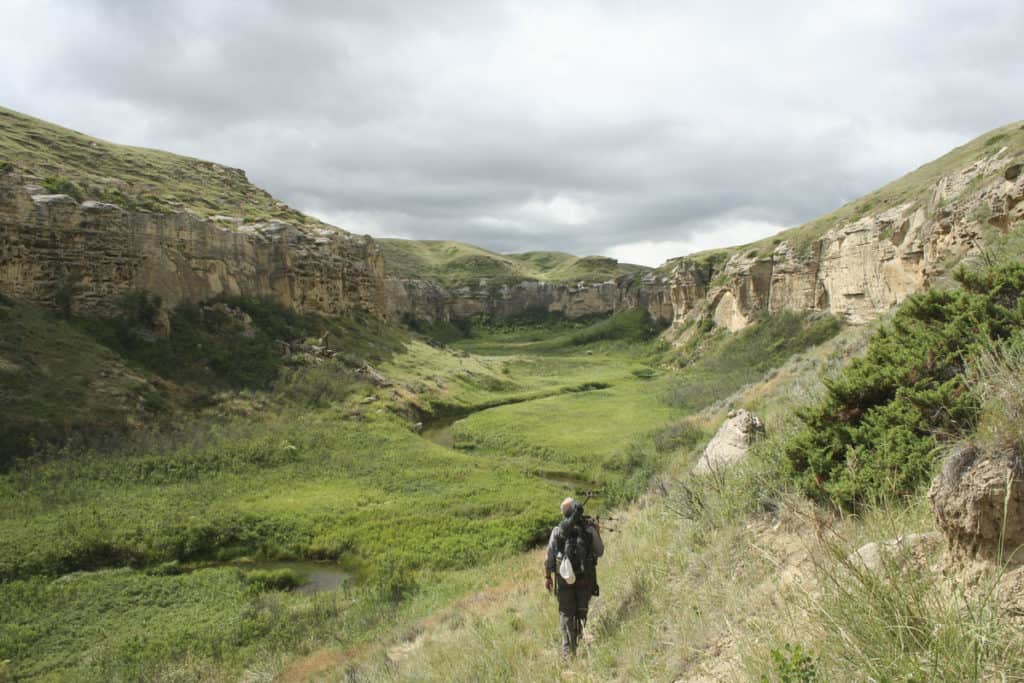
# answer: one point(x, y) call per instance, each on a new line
point(876, 432)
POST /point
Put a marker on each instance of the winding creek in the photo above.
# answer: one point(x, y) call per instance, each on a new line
point(439, 431)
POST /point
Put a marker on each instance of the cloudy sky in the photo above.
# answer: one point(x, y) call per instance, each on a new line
point(640, 130)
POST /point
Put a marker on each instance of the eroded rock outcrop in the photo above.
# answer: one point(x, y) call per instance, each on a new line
point(731, 442)
point(101, 250)
point(861, 267)
point(978, 501)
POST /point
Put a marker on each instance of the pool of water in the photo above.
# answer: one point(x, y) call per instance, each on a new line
point(317, 577)
point(440, 432)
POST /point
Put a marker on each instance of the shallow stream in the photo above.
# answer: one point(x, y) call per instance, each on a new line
point(439, 431)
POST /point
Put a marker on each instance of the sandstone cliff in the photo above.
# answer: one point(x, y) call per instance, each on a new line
point(429, 301)
point(50, 240)
point(431, 280)
point(865, 264)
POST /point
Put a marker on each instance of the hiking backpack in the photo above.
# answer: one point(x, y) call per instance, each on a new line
point(574, 544)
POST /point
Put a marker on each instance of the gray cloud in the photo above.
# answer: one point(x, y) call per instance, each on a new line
point(580, 127)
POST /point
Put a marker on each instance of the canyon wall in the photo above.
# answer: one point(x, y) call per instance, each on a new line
point(857, 270)
point(428, 301)
point(48, 242)
point(862, 267)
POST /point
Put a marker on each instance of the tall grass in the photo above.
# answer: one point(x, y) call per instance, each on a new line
point(996, 376)
point(897, 621)
point(716, 367)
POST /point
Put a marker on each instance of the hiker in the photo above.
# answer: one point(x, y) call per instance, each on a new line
point(576, 539)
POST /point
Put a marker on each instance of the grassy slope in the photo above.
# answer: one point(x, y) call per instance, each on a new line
point(133, 176)
point(737, 576)
point(51, 375)
point(915, 186)
point(89, 380)
point(454, 263)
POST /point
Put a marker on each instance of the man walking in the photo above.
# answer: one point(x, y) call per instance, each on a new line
point(578, 539)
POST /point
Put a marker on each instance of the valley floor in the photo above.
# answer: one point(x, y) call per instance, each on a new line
point(142, 562)
point(138, 562)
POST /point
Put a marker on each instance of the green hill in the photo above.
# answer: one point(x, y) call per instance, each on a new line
point(455, 263)
point(69, 162)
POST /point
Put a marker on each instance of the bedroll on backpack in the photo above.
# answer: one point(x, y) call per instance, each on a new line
point(565, 570)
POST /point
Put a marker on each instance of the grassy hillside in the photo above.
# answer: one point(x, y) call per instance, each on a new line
point(69, 162)
point(915, 186)
point(455, 263)
point(84, 381)
point(58, 382)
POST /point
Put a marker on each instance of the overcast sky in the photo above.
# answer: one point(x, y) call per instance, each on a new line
point(640, 130)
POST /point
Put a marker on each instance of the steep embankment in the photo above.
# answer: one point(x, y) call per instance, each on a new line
point(869, 255)
point(87, 220)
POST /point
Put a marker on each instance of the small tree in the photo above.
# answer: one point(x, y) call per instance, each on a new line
point(69, 285)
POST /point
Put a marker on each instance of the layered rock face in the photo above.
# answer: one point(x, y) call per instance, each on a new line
point(861, 268)
point(428, 301)
point(48, 241)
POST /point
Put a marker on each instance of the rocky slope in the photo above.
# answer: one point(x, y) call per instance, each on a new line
point(95, 251)
point(867, 257)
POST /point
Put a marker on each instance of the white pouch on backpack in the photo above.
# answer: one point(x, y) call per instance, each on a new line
point(566, 572)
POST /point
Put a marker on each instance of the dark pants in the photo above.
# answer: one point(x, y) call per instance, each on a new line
point(573, 602)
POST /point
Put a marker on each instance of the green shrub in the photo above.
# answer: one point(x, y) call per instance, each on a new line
point(793, 664)
point(392, 582)
point(634, 324)
point(877, 431)
point(316, 386)
point(68, 287)
point(263, 580)
point(678, 435)
point(59, 185)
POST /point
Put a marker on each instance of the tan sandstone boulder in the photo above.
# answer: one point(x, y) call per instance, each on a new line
point(918, 547)
point(978, 501)
point(731, 443)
